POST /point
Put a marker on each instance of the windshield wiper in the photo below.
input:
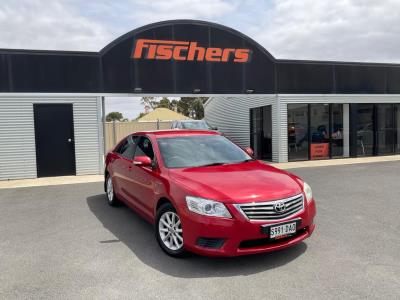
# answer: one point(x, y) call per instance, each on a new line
point(212, 164)
point(247, 160)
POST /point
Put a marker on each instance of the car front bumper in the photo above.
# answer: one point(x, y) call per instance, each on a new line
point(213, 236)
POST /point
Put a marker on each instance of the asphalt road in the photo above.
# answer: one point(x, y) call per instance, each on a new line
point(66, 242)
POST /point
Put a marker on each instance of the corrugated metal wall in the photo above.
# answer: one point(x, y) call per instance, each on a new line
point(17, 136)
point(232, 117)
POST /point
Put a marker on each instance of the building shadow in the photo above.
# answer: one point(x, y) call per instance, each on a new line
point(130, 229)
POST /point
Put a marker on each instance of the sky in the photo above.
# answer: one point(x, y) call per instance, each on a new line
point(343, 30)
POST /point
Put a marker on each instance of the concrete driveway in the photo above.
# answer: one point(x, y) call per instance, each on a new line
point(66, 242)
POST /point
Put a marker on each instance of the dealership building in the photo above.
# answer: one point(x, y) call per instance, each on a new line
point(52, 102)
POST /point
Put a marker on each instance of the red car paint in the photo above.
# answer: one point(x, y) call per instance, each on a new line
point(141, 188)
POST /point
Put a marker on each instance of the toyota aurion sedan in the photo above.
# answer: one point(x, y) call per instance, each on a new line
point(204, 194)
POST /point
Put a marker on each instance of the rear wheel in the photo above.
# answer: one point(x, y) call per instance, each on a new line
point(111, 198)
point(169, 231)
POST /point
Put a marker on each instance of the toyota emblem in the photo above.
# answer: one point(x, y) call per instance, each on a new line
point(280, 207)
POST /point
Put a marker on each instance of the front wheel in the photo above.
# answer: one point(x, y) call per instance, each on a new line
point(111, 197)
point(169, 233)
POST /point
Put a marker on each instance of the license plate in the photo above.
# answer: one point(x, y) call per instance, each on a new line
point(280, 231)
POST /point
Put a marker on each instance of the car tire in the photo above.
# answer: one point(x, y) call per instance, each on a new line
point(110, 193)
point(168, 230)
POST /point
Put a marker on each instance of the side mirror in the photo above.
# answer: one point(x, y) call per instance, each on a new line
point(143, 161)
point(249, 151)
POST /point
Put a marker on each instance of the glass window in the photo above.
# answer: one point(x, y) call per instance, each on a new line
point(256, 131)
point(337, 132)
point(319, 128)
point(122, 148)
point(144, 148)
point(261, 131)
point(365, 129)
point(127, 148)
point(385, 127)
point(298, 131)
point(199, 150)
point(196, 125)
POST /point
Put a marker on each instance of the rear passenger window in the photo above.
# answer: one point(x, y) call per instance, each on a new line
point(127, 148)
point(122, 147)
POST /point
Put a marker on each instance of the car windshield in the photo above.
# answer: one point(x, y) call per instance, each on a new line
point(195, 125)
point(200, 150)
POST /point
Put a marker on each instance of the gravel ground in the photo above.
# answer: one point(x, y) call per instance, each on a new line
point(65, 242)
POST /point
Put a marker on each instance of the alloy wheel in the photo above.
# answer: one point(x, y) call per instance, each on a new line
point(110, 190)
point(170, 230)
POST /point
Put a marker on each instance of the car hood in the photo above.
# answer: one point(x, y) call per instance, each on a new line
point(238, 183)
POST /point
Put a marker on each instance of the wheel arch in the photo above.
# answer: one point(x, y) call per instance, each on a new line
point(105, 179)
point(162, 201)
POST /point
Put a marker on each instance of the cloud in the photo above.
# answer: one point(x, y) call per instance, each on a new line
point(158, 10)
point(349, 30)
point(53, 24)
point(358, 30)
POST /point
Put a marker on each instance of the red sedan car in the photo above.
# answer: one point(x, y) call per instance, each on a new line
point(205, 194)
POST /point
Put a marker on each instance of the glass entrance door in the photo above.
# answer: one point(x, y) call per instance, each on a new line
point(297, 116)
point(261, 132)
point(385, 129)
point(319, 128)
point(365, 129)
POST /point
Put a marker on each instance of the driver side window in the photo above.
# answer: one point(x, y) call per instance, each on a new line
point(144, 148)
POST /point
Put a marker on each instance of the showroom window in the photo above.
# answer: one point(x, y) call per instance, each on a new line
point(337, 132)
point(315, 131)
point(375, 129)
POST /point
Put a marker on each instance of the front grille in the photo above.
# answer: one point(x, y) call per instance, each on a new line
point(272, 210)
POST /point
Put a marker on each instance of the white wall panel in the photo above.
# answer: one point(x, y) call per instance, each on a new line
point(17, 136)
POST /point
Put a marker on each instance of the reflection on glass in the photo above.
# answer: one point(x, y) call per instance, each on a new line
point(261, 131)
point(319, 128)
point(298, 131)
point(365, 129)
point(337, 133)
point(385, 128)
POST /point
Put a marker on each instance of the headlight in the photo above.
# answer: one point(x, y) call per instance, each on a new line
point(308, 191)
point(207, 207)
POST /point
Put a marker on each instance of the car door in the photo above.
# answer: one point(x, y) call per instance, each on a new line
point(144, 179)
point(121, 167)
point(115, 167)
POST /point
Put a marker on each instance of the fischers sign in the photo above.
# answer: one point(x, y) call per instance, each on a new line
point(187, 51)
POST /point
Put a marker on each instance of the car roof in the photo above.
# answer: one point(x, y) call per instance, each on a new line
point(176, 133)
